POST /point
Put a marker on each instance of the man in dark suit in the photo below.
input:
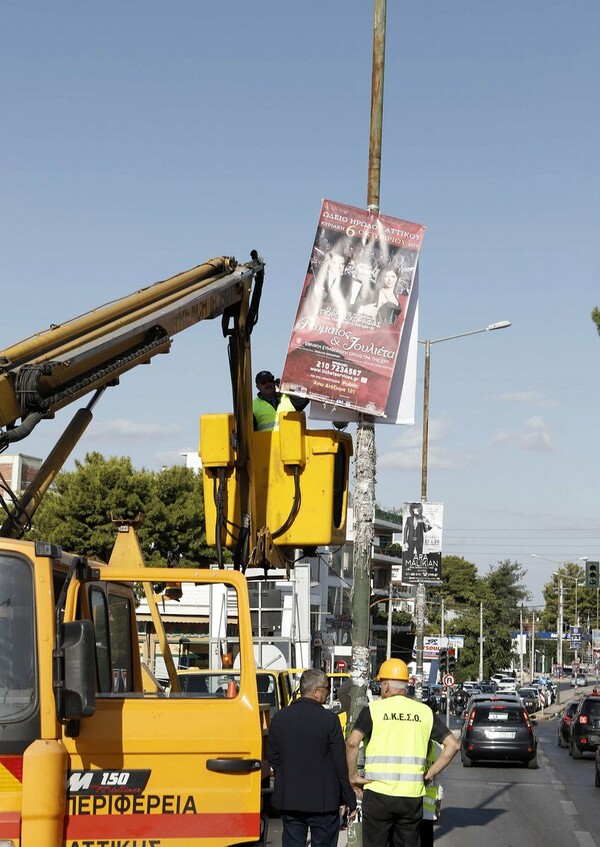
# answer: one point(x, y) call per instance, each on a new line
point(415, 527)
point(307, 753)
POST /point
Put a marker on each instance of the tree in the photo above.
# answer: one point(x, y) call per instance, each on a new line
point(77, 512)
point(500, 593)
point(596, 318)
point(505, 582)
point(571, 574)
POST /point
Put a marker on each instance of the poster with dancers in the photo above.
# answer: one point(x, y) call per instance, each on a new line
point(355, 306)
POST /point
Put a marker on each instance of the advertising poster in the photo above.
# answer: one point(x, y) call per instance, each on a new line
point(354, 307)
point(422, 542)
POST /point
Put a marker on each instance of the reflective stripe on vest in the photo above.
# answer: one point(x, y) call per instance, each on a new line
point(267, 418)
point(402, 725)
point(431, 791)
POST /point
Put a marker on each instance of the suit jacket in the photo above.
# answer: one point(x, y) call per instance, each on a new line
point(306, 750)
point(414, 535)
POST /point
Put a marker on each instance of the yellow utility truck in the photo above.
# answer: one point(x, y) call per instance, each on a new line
point(94, 750)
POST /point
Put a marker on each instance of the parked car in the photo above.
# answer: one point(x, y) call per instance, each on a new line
point(584, 736)
point(564, 724)
point(530, 698)
point(498, 731)
point(578, 680)
point(597, 779)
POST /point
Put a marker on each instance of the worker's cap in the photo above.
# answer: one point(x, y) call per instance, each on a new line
point(264, 376)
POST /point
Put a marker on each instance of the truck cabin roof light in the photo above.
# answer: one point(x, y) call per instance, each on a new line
point(47, 550)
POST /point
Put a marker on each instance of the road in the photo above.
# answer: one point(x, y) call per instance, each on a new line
point(556, 805)
point(507, 805)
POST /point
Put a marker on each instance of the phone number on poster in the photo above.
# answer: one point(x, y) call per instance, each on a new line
point(337, 367)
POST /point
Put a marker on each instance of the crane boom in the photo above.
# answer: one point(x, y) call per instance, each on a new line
point(53, 368)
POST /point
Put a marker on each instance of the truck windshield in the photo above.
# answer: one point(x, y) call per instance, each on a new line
point(17, 678)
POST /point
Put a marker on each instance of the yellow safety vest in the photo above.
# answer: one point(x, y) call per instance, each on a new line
point(430, 797)
point(266, 416)
point(396, 753)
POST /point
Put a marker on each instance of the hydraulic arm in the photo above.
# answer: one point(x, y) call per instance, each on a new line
point(55, 367)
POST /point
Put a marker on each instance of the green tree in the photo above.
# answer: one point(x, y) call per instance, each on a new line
point(596, 317)
point(505, 582)
point(500, 592)
point(573, 589)
point(459, 580)
point(77, 512)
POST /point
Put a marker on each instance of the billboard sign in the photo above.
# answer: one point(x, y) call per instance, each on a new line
point(422, 542)
point(575, 637)
point(355, 309)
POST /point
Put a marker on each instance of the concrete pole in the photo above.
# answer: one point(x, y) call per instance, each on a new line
point(388, 651)
point(532, 659)
point(365, 454)
point(481, 640)
point(420, 599)
point(521, 675)
point(559, 650)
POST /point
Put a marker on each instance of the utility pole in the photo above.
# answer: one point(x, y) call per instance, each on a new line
point(364, 454)
point(481, 640)
point(559, 638)
point(388, 651)
point(521, 674)
point(532, 659)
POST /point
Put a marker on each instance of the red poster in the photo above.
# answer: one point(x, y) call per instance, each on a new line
point(355, 299)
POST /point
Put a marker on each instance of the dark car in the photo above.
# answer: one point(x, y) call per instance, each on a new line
point(564, 724)
point(597, 779)
point(502, 697)
point(530, 699)
point(498, 731)
point(584, 736)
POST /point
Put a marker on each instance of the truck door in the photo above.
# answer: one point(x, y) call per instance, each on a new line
point(171, 766)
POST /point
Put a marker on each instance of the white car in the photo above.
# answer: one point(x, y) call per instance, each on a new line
point(507, 683)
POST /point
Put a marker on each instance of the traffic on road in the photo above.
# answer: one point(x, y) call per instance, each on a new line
point(552, 801)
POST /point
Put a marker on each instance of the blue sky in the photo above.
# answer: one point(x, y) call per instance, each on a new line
point(140, 139)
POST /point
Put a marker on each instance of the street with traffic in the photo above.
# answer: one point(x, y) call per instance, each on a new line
point(504, 804)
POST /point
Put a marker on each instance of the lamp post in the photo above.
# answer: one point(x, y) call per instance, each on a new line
point(576, 580)
point(420, 597)
point(427, 344)
point(532, 659)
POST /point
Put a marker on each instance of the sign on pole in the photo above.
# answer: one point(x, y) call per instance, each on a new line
point(356, 307)
point(422, 542)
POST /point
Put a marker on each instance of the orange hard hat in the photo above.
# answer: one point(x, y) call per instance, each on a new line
point(394, 669)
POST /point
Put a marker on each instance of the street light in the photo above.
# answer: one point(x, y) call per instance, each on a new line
point(420, 598)
point(576, 580)
point(427, 344)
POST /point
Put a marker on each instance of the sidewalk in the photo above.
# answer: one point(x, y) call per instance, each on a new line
point(549, 712)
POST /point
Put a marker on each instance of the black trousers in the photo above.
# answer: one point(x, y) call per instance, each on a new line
point(392, 821)
point(324, 828)
point(426, 828)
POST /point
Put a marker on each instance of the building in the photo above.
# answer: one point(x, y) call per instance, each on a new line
point(16, 472)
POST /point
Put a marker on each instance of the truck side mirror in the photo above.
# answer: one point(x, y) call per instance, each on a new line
point(79, 648)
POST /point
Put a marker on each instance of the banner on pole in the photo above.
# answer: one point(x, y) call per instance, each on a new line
point(358, 303)
point(422, 542)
